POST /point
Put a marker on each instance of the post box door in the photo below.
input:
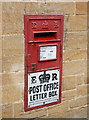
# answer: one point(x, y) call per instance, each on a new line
point(44, 56)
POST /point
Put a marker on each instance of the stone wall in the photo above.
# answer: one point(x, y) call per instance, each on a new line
point(74, 84)
point(0, 60)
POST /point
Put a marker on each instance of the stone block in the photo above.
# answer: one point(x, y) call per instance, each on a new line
point(0, 29)
point(81, 0)
point(88, 97)
point(22, 90)
point(70, 55)
point(0, 112)
point(19, 112)
point(76, 23)
point(80, 79)
point(13, 45)
point(12, 28)
point(69, 83)
point(39, 1)
point(7, 111)
point(7, 6)
point(35, 8)
point(0, 12)
point(13, 63)
point(60, 7)
point(13, 12)
point(81, 8)
point(0, 95)
point(0, 79)
point(11, 93)
point(0, 48)
point(64, 106)
point(88, 90)
point(76, 40)
point(88, 111)
point(86, 75)
point(86, 78)
point(13, 78)
point(10, 16)
point(69, 95)
point(18, 108)
point(74, 113)
point(78, 102)
point(0, 66)
point(77, 113)
point(81, 90)
point(76, 80)
point(56, 115)
point(74, 67)
point(39, 113)
point(59, 1)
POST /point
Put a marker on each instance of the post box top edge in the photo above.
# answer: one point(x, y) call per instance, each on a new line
point(57, 16)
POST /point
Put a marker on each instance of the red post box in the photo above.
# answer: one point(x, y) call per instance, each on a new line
point(43, 60)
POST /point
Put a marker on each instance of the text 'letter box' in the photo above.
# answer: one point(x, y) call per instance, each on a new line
point(43, 60)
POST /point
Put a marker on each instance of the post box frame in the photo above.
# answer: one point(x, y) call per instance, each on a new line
point(26, 33)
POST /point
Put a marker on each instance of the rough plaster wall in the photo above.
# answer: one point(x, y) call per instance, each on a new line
point(74, 85)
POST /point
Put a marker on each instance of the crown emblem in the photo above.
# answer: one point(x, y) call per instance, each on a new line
point(44, 78)
point(45, 25)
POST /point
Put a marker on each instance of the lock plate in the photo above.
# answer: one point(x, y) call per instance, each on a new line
point(33, 66)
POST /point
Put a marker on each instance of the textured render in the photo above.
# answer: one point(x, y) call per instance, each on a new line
point(74, 85)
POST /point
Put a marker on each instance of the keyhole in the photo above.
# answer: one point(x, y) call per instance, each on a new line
point(33, 66)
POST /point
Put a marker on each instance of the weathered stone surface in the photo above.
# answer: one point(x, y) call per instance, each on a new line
point(7, 111)
point(80, 79)
point(60, 7)
point(13, 78)
point(0, 95)
point(0, 79)
point(75, 55)
point(0, 48)
point(19, 112)
point(13, 45)
point(74, 67)
point(0, 13)
point(77, 113)
point(13, 12)
point(35, 8)
point(81, 8)
point(0, 112)
point(74, 113)
point(13, 63)
point(81, 90)
point(12, 28)
point(64, 106)
point(69, 95)
point(75, 40)
point(0, 66)
point(78, 102)
point(11, 94)
point(77, 23)
point(69, 83)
